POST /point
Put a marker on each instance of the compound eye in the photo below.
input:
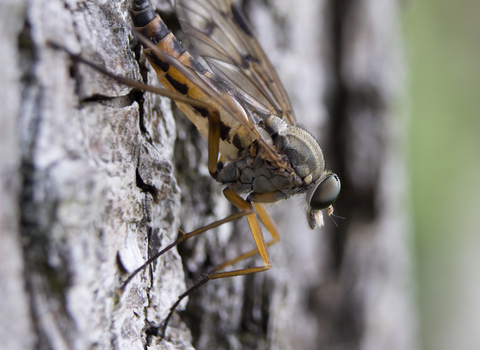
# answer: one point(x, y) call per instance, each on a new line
point(326, 193)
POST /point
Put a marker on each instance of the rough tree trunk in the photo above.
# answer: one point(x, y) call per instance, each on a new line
point(74, 218)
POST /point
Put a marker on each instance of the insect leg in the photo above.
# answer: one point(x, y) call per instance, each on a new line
point(268, 222)
point(247, 209)
point(213, 141)
point(138, 85)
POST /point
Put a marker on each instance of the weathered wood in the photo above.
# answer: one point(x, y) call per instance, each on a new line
point(72, 218)
point(81, 217)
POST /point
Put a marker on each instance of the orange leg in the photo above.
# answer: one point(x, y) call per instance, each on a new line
point(267, 221)
point(247, 209)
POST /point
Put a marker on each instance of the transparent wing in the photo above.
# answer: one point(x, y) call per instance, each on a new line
point(229, 105)
point(224, 39)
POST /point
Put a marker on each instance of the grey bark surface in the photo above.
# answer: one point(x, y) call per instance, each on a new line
point(74, 222)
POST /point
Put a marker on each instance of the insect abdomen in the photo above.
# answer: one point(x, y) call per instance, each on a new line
point(150, 24)
point(147, 22)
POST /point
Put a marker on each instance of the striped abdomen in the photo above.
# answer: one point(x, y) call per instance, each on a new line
point(233, 136)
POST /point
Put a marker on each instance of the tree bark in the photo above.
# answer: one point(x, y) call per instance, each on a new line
point(75, 220)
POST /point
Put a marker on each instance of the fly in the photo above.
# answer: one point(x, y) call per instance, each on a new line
point(240, 106)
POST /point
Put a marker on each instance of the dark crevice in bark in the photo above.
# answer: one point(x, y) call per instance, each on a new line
point(137, 95)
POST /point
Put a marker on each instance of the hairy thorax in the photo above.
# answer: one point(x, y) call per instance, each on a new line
point(252, 171)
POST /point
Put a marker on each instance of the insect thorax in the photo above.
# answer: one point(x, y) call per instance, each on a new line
point(252, 171)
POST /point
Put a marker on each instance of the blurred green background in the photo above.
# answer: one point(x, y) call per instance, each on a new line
point(443, 52)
